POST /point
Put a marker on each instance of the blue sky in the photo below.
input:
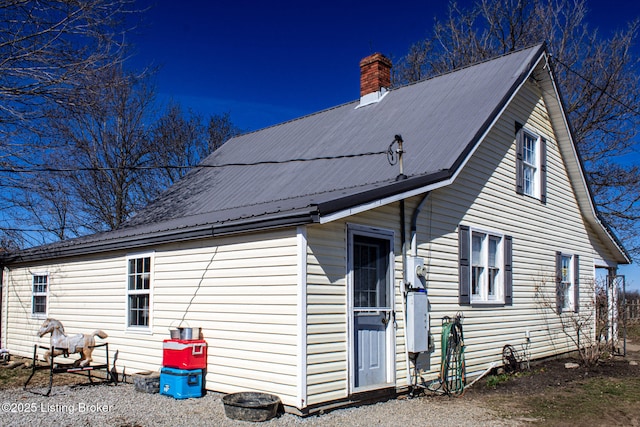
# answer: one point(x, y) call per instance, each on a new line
point(266, 62)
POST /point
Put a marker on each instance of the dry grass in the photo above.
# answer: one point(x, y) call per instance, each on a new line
point(16, 377)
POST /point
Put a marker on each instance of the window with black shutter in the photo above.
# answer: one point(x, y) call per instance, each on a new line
point(485, 267)
point(531, 164)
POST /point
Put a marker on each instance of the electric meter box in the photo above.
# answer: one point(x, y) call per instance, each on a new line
point(417, 322)
point(416, 274)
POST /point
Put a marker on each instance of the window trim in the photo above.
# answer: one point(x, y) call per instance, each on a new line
point(533, 166)
point(504, 289)
point(129, 292)
point(540, 166)
point(44, 294)
point(483, 296)
point(574, 281)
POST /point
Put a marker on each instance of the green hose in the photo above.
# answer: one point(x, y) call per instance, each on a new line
point(452, 370)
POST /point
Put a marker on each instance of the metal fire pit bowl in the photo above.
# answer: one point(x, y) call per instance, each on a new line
point(251, 406)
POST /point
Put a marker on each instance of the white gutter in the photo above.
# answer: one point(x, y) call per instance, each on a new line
point(385, 201)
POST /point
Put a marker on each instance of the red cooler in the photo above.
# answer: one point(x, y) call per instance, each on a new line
point(184, 354)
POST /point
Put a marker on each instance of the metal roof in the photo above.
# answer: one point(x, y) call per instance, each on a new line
point(266, 178)
point(439, 119)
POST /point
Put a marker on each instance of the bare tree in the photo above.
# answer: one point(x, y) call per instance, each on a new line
point(45, 209)
point(111, 159)
point(598, 77)
point(105, 149)
point(582, 327)
point(48, 46)
point(177, 138)
point(78, 150)
point(219, 130)
point(49, 51)
point(182, 140)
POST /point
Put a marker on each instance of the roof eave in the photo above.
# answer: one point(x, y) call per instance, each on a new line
point(143, 240)
point(586, 201)
point(334, 209)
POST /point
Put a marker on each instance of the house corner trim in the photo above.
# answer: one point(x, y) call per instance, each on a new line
point(302, 316)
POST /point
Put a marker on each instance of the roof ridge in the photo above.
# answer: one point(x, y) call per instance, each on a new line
point(294, 119)
point(493, 58)
point(473, 64)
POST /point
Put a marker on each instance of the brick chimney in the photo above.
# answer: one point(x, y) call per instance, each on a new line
point(375, 78)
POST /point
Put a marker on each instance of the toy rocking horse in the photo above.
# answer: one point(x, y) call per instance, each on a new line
point(64, 345)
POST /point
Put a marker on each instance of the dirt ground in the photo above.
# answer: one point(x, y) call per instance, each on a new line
point(548, 394)
point(607, 394)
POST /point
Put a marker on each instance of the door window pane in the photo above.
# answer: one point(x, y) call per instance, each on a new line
point(370, 272)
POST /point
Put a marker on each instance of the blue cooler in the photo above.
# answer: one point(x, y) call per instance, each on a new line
point(181, 383)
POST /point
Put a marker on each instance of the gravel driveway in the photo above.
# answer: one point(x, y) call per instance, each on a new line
point(122, 405)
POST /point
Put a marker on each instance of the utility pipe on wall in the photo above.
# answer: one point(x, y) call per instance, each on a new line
point(1, 308)
point(414, 252)
point(414, 224)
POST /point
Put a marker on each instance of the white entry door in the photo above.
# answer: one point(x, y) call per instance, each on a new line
point(371, 309)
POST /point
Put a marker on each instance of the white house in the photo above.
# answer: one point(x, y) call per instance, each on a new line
point(287, 246)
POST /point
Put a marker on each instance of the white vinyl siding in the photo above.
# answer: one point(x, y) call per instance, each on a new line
point(327, 304)
point(537, 230)
point(326, 313)
point(242, 292)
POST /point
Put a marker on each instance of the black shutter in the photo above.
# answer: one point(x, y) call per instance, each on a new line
point(464, 258)
point(519, 159)
point(543, 170)
point(508, 273)
point(576, 283)
point(559, 293)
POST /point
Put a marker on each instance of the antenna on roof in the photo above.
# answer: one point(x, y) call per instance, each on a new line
point(391, 155)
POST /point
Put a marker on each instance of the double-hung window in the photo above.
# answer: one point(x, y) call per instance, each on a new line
point(486, 254)
point(485, 267)
point(39, 295)
point(139, 291)
point(567, 282)
point(531, 164)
